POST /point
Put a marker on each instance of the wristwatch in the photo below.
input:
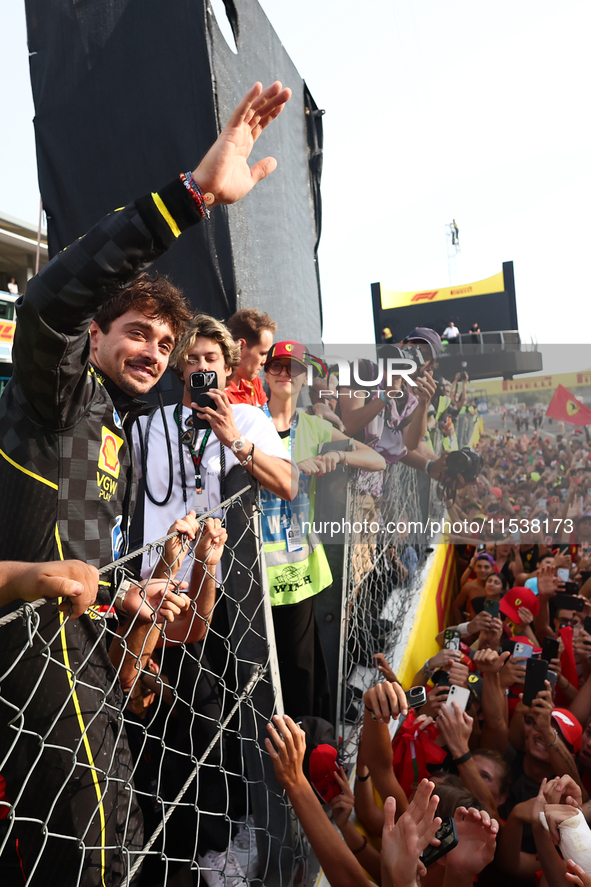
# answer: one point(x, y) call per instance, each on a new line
point(237, 444)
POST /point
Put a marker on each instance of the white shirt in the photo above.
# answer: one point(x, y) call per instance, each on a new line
point(251, 423)
point(452, 332)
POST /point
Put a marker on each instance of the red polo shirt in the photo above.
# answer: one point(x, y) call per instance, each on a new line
point(243, 391)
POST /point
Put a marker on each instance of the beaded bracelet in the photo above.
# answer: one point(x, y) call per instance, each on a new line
point(201, 199)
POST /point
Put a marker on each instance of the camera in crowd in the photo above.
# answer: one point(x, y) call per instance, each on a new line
point(407, 352)
point(466, 462)
point(413, 352)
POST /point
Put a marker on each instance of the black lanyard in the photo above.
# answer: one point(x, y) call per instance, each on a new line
point(187, 437)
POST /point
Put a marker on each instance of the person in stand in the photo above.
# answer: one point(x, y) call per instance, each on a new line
point(297, 567)
point(451, 333)
point(65, 426)
point(253, 331)
point(13, 286)
point(475, 333)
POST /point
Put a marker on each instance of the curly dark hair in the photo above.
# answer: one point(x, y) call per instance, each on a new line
point(155, 296)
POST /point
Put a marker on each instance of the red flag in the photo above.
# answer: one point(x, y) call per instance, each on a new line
point(566, 408)
point(412, 750)
point(567, 664)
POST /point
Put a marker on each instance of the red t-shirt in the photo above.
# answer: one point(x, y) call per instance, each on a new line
point(247, 392)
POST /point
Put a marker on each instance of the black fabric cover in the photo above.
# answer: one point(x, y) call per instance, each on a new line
point(128, 93)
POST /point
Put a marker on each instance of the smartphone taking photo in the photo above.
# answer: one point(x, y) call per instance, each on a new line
point(200, 384)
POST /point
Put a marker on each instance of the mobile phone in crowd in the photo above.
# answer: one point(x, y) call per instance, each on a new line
point(550, 647)
point(522, 651)
point(461, 695)
point(200, 384)
point(552, 678)
point(542, 503)
point(563, 601)
point(440, 678)
point(563, 574)
point(448, 835)
point(587, 624)
point(416, 697)
point(451, 639)
point(492, 607)
point(536, 674)
point(571, 588)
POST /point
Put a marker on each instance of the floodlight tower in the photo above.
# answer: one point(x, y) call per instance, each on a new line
point(452, 243)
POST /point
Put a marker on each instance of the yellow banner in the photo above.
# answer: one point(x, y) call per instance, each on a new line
point(536, 383)
point(7, 328)
point(431, 615)
point(494, 284)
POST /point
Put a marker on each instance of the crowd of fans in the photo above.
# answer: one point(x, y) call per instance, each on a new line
point(504, 732)
point(534, 488)
point(486, 772)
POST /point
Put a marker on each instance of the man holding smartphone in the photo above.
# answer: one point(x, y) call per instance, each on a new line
point(185, 456)
point(200, 460)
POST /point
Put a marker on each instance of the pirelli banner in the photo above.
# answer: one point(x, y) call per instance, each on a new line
point(526, 384)
point(489, 302)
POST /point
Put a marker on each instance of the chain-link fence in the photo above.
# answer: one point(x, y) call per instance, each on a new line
point(381, 580)
point(133, 754)
point(138, 761)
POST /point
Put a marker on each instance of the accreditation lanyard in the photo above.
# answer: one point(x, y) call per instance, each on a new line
point(292, 427)
point(293, 532)
point(197, 457)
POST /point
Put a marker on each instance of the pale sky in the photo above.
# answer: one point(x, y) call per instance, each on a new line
point(435, 110)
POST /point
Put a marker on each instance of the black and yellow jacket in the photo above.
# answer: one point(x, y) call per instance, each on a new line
point(66, 472)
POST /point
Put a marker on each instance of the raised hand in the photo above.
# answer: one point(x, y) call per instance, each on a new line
point(157, 601)
point(404, 841)
point(286, 750)
point(444, 659)
point(577, 875)
point(456, 728)
point(563, 790)
point(384, 667)
point(477, 839)
point(425, 388)
point(386, 700)
point(342, 805)
point(489, 661)
point(210, 544)
point(224, 171)
point(176, 548)
point(547, 581)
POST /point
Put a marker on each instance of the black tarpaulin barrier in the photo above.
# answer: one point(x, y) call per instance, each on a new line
point(128, 93)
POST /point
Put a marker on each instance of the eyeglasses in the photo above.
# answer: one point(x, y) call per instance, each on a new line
point(292, 368)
